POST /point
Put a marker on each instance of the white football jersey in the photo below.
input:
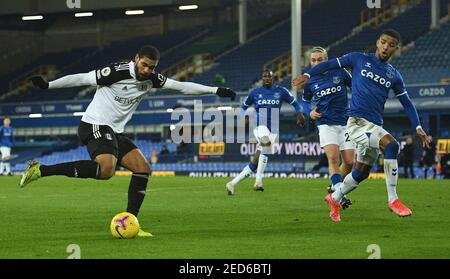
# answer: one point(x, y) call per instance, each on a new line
point(118, 95)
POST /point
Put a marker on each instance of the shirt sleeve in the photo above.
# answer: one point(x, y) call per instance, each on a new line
point(307, 94)
point(159, 80)
point(287, 96)
point(347, 77)
point(410, 110)
point(348, 60)
point(83, 79)
point(249, 100)
point(112, 73)
point(187, 88)
point(399, 86)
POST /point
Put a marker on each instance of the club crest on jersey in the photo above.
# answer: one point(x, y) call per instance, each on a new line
point(316, 86)
point(276, 95)
point(108, 136)
point(260, 96)
point(337, 79)
point(368, 65)
point(390, 73)
point(143, 87)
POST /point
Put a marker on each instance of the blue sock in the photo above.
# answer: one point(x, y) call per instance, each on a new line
point(391, 150)
point(359, 176)
point(336, 178)
point(253, 167)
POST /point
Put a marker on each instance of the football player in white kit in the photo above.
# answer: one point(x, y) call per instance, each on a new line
point(120, 88)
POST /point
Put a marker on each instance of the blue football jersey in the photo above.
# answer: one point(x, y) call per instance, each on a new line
point(372, 79)
point(6, 136)
point(266, 100)
point(329, 93)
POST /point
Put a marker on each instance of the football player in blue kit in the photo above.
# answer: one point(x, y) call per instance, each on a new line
point(267, 101)
point(372, 79)
point(7, 141)
point(328, 91)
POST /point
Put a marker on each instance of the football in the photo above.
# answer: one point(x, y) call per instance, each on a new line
point(124, 225)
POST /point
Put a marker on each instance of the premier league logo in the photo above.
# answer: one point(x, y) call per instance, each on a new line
point(337, 80)
point(390, 73)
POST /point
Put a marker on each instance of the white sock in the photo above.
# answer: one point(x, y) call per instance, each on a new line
point(391, 174)
point(1, 167)
point(336, 186)
point(349, 184)
point(262, 163)
point(7, 168)
point(246, 172)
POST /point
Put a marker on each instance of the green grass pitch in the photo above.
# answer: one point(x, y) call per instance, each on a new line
point(194, 218)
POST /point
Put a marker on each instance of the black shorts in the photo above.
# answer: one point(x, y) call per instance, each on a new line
point(101, 139)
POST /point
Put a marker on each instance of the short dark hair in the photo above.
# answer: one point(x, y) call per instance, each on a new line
point(150, 52)
point(7, 117)
point(392, 33)
point(267, 70)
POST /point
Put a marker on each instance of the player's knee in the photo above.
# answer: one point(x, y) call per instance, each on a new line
point(391, 150)
point(107, 171)
point(265, 141)
point(349, 161)
point(143, 167)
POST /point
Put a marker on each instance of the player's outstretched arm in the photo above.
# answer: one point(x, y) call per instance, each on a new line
point(347, 60)
point(301, 80)
point(83, 79)
point(414, 117)
point(191, 88)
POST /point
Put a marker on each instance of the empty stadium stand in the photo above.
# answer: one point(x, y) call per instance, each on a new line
point(243, 65)
point(429, 59)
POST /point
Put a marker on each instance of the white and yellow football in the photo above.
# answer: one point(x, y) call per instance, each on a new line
point(124, 225)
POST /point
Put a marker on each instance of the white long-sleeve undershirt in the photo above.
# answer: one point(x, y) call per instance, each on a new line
point(188, 88)
point(82, 79)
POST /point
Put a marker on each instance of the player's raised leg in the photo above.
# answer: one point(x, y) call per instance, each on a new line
point(366, 156)
point(135, 161)
point(102, 146)
point(265, 140)
point(391, 150)
point(262, 164)
point(102, 168)
point(360, 172)
point(246, 172)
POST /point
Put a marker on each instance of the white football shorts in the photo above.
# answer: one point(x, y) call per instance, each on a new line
point(260, 132)
point(6, 151)
point(366, 135)
point(335, 134)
